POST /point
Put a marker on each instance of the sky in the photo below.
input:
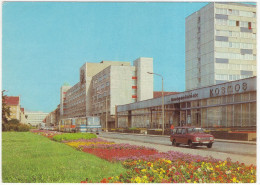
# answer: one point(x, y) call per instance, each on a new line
point(45, 43)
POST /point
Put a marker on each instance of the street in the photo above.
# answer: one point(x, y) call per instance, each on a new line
point(244, 153)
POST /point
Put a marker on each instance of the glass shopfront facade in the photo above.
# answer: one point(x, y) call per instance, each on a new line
point(208, 107)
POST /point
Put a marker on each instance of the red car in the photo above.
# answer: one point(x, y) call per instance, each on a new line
point(192, 136)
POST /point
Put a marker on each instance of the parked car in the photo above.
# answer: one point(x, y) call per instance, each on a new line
point(192, 136)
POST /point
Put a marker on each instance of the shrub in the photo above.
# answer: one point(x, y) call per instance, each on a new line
point(73, 136)
point(133, 128)
point(13, 121)
point(23, 128)
point(15, 127)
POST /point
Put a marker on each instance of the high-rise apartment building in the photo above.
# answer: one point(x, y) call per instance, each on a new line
point(104, 85)
point(220, 43)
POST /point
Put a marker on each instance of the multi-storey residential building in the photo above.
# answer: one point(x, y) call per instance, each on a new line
point(35, 118)
point(104, 85)
point(220, 44)
point(52, 119)
point(23, 119)
point(16, 111)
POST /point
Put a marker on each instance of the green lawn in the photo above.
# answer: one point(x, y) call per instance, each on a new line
point(27, 158)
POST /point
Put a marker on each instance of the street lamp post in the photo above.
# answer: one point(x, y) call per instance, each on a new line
point(162, 101)
point(98, 93)
point(106, 115)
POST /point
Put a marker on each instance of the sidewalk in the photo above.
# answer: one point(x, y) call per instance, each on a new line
point(217, 140)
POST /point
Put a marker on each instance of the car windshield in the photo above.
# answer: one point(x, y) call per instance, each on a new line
point(195, 130)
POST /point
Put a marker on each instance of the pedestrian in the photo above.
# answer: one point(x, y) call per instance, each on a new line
point(172, 127)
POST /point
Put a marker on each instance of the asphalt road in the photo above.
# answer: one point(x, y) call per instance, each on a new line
point(241, 152)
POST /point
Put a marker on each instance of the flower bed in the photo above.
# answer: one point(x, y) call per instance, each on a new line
point(81, 143)
point(110, 150)
point(179, 171)
point(114, 154)
point(147, 165)
point(74, 136)
point(46, 133)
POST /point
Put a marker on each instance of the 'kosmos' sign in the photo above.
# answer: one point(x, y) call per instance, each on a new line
point(229, 89)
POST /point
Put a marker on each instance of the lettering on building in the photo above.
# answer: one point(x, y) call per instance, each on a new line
point(187, 96)
point(228, 90)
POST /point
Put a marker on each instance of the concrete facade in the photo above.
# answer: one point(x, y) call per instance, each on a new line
point(144, 80)
point(35, 118)
point(16, 111)
point(220, 43)
point(105, 85)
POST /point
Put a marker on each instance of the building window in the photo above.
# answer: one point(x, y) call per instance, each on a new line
point(237, 23)
point(232, 23)
point(249, 25)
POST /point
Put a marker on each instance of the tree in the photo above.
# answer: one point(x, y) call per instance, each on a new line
point(13, 121)
point(5, 109)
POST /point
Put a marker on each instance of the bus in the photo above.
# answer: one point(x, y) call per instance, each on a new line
point(81, 124)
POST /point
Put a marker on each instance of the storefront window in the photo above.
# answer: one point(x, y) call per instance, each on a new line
point(237, 98)
point(245, 97)
point(214, 116)
point(223, 99)
point(183, 105)
point(230, 113)
point(237, 115)
point(213, 101)
point(204, 102)
point(196, 117)
point(252, 95)
point(253, 114)
point(223, 121)
point(245, 114)
point(203, 117)
point(229, 99)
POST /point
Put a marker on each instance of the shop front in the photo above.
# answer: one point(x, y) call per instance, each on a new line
point(227, 105)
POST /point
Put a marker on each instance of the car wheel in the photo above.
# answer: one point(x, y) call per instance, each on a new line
point(174, 143)
point(191, 145)
point(209, 145)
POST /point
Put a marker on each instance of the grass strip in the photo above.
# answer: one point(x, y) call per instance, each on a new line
point(31, 158)
point(73, 136)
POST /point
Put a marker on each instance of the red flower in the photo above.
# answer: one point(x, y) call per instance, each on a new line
point(104, 181)
point(137, 170)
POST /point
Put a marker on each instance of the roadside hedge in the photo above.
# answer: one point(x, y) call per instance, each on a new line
point(73, 136)
point(16, 127)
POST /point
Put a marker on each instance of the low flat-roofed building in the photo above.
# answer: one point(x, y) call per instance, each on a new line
point(230, 104)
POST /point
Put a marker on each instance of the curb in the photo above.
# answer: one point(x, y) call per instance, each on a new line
point(218, 140)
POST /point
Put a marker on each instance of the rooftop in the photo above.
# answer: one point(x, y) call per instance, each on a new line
point(157, 94)
point(12, 100)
